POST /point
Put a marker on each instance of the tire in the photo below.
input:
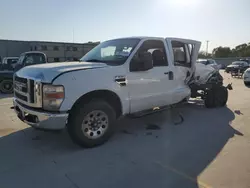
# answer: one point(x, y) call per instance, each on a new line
point(216, 97)
point(87, 132)
point(247, 83)
point(6, 86)
point(209, 99)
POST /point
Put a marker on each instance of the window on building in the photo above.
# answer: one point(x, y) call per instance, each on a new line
point(68, 48)
point(44, 47)
point(56, 59)
point(74, 48)
point(35, 48)
point(56, 48)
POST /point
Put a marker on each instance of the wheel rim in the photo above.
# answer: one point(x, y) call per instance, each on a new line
point(95, 124)
point(7, 86)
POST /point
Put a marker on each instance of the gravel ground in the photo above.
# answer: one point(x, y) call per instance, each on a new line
point(210, 148)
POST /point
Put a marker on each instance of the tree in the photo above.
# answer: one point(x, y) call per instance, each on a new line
point(203, 54)
point(222, 52)
point(242, 50)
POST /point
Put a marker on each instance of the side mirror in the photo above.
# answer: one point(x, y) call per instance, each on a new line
point(141, 62)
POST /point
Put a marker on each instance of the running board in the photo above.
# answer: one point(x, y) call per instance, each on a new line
point(155, 110)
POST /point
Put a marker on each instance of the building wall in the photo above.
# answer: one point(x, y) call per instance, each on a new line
point(13, 48)
point(55, 51)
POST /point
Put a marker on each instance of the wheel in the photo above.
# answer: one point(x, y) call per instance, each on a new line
point(91, 124)
point(6, 86)
point(216, 97)
point(247, 83)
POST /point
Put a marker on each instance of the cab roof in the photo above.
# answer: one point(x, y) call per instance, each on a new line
point(160, 38)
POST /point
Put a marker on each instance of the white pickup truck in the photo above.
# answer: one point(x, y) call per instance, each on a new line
point(118, 77)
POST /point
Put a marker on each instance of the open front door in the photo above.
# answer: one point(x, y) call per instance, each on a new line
point(184, 52)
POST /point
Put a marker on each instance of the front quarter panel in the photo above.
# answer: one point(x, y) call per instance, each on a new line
point(78, 83)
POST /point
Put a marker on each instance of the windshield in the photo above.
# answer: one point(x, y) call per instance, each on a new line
point(31, 58)
point(113, 51)
point(20, 60)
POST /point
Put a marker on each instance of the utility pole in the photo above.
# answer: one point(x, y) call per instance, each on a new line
point(73, 35)
point(207, 47)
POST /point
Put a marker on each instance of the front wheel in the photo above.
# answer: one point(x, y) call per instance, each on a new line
point(6, 86)
point(91, 124)
point(216, 97)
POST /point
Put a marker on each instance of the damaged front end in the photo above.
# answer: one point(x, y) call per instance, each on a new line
point(207, 83)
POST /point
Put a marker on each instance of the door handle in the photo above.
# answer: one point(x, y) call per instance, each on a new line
point(170, 75)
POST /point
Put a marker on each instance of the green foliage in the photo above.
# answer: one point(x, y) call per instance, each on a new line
point(204, 55)
point(242, 50)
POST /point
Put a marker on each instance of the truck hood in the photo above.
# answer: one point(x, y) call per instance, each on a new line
point(234, 66)
point(48, 71)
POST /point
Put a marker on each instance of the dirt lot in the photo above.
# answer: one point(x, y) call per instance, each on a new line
point(209, 149)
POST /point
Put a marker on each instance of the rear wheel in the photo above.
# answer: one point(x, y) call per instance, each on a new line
point(6, 86)
point(91, 124)
point(216, 97)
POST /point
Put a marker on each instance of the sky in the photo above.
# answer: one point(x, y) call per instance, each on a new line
point(221, 22)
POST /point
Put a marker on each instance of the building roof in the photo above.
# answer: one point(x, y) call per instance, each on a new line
point(50, 42)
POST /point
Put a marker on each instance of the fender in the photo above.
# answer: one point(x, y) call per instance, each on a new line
point(80, 82)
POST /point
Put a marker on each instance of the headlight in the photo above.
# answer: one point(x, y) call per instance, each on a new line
point(53, 97)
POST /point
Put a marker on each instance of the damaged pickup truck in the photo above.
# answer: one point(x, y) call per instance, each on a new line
point(118, 77)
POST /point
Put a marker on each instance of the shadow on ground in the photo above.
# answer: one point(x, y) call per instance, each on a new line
point(4, 96)
point(137, 156)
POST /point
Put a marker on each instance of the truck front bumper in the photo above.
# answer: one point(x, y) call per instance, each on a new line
point(40, 119)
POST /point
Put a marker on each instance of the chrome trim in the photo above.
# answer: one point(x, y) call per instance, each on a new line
point(28, 89)
point(37, 93)
point(46, 120)
point(22, 93)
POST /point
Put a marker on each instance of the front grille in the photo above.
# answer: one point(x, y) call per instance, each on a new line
point(20, 79)
point(26, 91)
point(19, 96)
point(32, 93)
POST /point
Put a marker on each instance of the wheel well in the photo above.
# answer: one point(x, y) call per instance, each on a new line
point(109, 96)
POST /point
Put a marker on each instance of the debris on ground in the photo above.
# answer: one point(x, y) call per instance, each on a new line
point(238, 112)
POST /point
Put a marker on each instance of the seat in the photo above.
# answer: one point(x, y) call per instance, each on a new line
point(179, 56)
point(158, 58)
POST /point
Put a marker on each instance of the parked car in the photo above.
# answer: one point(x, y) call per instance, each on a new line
point(246, 77)
point(210, 62)
point(243, 65)
point(25, 59)
point(118, 77)
point(8, 63)
point(246, 60)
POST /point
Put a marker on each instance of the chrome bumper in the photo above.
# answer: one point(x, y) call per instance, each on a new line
point(43, 120)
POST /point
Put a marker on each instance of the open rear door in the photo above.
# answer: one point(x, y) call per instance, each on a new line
point(184, 53)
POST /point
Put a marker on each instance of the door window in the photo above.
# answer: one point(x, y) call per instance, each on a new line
point(182, 53)
point(156, 49)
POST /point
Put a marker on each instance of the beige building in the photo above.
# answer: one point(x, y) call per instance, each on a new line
point(55, 51)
